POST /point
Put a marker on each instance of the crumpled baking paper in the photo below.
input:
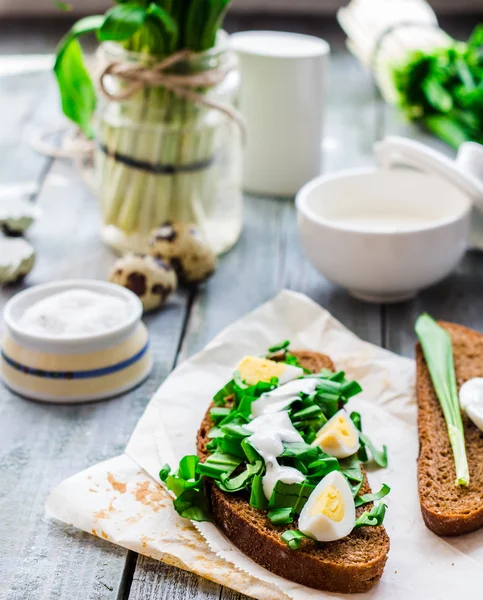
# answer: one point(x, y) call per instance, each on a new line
point(121, 499)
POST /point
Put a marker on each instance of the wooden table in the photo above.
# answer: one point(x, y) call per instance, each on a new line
point(40, 445)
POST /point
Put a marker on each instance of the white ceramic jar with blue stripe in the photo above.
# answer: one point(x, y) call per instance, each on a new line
point(78, 367)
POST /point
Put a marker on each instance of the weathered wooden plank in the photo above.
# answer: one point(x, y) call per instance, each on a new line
point(157, 581)
point(42, 444)
point(26, 102)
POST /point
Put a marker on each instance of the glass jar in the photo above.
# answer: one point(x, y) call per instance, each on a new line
point(161, 157)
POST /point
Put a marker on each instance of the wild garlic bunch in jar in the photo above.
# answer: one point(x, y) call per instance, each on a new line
point(168, 138)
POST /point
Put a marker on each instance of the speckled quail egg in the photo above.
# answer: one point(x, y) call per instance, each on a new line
point(185, 248)
point(17, 257)
point(151, 279)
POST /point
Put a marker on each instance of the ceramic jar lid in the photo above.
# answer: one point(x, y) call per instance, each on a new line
point(466, 172)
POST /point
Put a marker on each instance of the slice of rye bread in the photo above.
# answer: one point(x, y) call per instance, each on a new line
point(449, 509)
point(353, 564)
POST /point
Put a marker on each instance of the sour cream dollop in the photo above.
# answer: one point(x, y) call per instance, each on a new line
point(268, 434)
point(471, 400)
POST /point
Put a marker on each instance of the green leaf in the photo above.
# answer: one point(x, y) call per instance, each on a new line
point(213, 22)
point(192, 504)
point(245, 406)
point(215, 432)
point(291, 359)
point(318, 469)
point(281, 516)
point(187, 466)
point(250, 452)
point(218, 464)
point(365, 498)
point(164, 472)
point(307, 414)
point(437, 96)
point(166, 26)
point(351, 469)
point(218, 413)
point(77, 93)
point(122, 22)
point(447, 129)
point(279, 347)
point(236, 431)
point(476, 38)
point(438, 353)
point(239, 381)
point(226, 391)
point(232, 445)
point(372, 518)
point(293, 538)
point(290, 495)
point(300, 450)
point(257, 496)
point(242, 480)
point(357, 420)
point(378, 456)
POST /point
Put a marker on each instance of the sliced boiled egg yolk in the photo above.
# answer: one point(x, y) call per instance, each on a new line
point(339, 436)
point(253, 369)
point(330, 503)
point(329, 513)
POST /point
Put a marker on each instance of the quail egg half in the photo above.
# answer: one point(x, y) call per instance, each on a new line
point(329, 513)
point(17, 257)
point(17, 215)
point(339, 436)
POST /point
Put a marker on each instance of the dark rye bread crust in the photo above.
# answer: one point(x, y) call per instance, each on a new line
point(353, 564)
point(448, 509)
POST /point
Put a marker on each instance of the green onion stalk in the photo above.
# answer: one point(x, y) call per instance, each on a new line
point(433, 79)
point(438, 353)
point(157, 156)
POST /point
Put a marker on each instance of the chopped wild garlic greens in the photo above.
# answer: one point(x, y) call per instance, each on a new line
point(235, 465)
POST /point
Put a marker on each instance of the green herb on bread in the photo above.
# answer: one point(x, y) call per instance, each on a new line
point(438, 353)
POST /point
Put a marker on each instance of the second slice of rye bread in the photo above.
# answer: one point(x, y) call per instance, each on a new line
point(449, 509)
point(352, 564)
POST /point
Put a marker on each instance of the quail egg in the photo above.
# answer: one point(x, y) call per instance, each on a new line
point(339, 436)
point(329, 513)
point(185, 248)
point(17, 257)
point(253, 369)
point(17, 215)
point(151, 279)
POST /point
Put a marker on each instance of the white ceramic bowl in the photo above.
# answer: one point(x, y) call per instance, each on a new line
point(383, 234)
point(77, 368)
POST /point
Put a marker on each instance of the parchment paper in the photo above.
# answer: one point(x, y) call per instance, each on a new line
point(122, 501)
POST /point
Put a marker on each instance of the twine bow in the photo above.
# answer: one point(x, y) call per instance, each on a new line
point(136, 76)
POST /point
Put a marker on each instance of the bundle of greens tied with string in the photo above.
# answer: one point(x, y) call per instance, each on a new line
point(435, 80)
point(313, 485)
point(156, 145)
